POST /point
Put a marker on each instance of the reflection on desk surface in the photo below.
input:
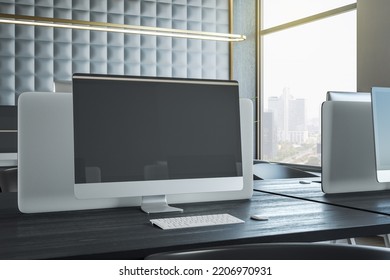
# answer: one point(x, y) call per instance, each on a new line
point(265, 171)
point(373, 201)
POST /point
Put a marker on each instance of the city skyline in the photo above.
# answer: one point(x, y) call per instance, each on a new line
point(288, 134)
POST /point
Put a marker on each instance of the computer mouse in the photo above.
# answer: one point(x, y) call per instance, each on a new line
point(259, 217)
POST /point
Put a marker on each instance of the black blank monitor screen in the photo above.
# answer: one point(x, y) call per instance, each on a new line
point(126, 127)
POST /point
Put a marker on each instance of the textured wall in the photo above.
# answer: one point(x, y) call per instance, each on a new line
point(31, 58)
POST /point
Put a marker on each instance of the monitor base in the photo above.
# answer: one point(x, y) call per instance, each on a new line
point(157, 204)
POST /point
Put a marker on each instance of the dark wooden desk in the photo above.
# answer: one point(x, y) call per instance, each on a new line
point(125, 233)
point(375, 201)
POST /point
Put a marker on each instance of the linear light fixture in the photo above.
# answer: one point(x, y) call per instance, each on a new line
point(119, 28)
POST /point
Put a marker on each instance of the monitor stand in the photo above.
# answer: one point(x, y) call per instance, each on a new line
point(157, 204)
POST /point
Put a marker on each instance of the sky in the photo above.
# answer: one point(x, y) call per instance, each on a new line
point(311, 59)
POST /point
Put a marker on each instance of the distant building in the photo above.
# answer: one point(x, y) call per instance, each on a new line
point(269, 141)
point(289, 118)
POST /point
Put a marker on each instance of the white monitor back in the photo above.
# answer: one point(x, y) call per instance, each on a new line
point(348, 159)
point(46, 164)
point(45, 147)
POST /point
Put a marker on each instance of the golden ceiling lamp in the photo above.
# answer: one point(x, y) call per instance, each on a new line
point(119, 28)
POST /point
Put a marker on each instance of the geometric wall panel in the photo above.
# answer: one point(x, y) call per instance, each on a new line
point(31, 58)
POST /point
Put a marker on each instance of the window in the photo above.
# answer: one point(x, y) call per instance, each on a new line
point(301, 60)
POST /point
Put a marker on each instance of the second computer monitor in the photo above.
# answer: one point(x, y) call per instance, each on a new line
point(348, 159)
point(381, 117)
point(148, 136)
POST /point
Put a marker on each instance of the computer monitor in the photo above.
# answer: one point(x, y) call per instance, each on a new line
point(348, 96)
point(150, 137)
point(8, 136)
point(62, 86)
point(348, 159)
point(381, 116)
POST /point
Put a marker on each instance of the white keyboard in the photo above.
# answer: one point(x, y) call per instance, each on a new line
point(196, 221)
